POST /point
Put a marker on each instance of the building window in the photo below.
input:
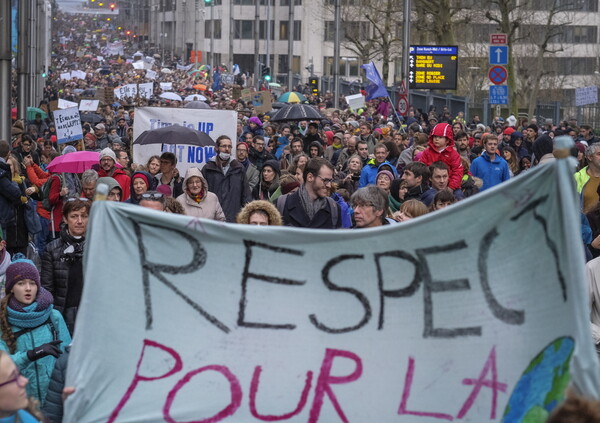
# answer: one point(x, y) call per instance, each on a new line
point(283, 30)
point(349, 30)
point(207, 27)
point(282, 64)
point(244, 30)
point(243, 2)
point(287, 2)
point(263, 30)
point(348, 66)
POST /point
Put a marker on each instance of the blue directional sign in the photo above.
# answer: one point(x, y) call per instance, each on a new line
point(498, 94)
point(498, 55)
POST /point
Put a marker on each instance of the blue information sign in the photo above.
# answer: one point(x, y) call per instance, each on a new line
point(498, 94)
point(451, 50)
point(498, 55)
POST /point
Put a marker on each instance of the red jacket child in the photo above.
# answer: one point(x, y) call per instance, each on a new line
point(441, 148)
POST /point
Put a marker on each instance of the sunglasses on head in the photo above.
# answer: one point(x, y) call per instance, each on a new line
point(153, 196)
point(68, 200)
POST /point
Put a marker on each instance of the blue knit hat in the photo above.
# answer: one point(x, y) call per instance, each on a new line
point(21, 269)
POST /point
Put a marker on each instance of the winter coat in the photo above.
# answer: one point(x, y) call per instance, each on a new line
point(151, 186)
point(122, 178)
point(231, 188)
point(58, 265)
point(429, 195)
point(176, 185)
point(208, 208)
point(492, 172)
point(23, 417)
point(53, 407)
point(368, 175)
point(38, 177)
point(10, 196)
point(38, 372)
point(448, 155)
point(294, 215)
point(258, 159)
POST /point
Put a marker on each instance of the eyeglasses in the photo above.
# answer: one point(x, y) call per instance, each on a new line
point(152, 196)
point(15, 380)
point(26, 145)
point(326, 181)
point(68, 200)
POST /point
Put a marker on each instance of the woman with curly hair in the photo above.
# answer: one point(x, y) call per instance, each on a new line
point(259, 212)
point(15, 405)
point(31, 330)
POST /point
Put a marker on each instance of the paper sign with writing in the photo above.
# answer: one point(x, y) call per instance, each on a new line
point(146, 90)
point(89, 105)
point(422, 321)
point(68, 125)
point(355, 101)
point(166, 86)
point(65, 104)
point(65, 76)
point(150, 74)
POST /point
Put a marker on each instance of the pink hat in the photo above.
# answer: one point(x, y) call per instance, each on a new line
point(164, 190)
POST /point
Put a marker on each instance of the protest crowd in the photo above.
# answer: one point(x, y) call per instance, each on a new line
point(348, 169)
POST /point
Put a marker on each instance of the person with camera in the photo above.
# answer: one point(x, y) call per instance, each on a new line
point(62, 271)
point(349, 180)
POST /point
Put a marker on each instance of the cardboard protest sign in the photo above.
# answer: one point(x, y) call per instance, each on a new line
point(124, 91)
point(146, 90)
point(68, 125)
point(262, 102)
point(213, 122)
point(478, 312)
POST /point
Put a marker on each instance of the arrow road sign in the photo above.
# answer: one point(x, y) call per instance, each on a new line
point(497, 75)
point(498, 55)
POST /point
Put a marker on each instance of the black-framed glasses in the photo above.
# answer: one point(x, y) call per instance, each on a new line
point(325, 180)
point(14, 380)
point(68, 200)
point(152, 196)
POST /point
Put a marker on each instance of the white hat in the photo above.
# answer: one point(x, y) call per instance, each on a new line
point(107, 152)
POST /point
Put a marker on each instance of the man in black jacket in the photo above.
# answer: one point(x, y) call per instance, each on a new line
point(62, 271)
point(226, 177)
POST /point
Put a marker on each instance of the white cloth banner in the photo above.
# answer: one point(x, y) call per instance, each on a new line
point(146, 90)
point(150, 74)
point(68, 125)
point(124, 91)
point(213, 122)
point(184, 68)
point(166, 86)
point(472, 313)
point(65, 104)
point(89, 105)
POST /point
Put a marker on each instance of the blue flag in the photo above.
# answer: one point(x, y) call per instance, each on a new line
point(375, 87)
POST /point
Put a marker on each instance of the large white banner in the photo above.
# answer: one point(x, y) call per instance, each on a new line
point(213, 122)
point(68, 125)
point(477, 313)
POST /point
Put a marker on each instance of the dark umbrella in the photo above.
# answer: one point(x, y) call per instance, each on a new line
point(196, 105)
point(91, 117)
point(297, 112)
point(174, 134)
point(278, 105)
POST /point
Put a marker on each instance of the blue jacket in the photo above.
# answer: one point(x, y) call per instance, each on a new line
point(368, 175)
point(24, 417)
point(38, 372)
point(491, 172)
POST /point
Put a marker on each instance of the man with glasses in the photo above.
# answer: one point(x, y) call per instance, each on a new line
point(108, 161)
point(370, 207)
point(226, 177)
point(258, 155)
point(311, 206)
point(25, 150)
point(123, 160)
point(252, 174)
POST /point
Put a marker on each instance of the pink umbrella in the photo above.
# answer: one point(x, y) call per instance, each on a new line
point(76, 162)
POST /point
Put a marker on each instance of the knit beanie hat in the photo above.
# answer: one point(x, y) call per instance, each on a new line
point(19, 270)
point(386, 173)
point(287, 187)
point(142, 177)
point(107, 152)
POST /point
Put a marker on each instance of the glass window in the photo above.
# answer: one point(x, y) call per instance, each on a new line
point(283, 30)
point(243, 30)
point(207, 28)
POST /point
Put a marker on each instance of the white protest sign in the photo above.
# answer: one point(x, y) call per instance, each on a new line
point(213, 122)
point(139, 65)
point(355, 101)
point(89, 105)
point(586, 95)
point(420, 321)
point(99, 58)
point(150, 74)
point(166, 86)
point(124, 91)
point(78, 74)
point(68, 125)
point(65, 76)
point(146, 90)
point(65, 104)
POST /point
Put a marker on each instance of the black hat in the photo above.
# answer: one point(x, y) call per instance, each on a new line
point(273, 164)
